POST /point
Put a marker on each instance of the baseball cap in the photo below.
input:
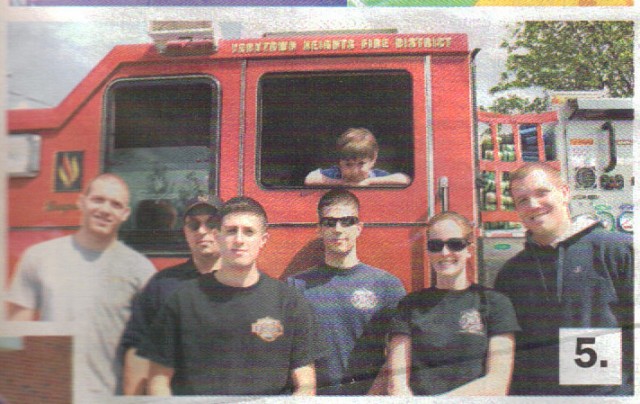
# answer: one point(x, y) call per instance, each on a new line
point(210, 200)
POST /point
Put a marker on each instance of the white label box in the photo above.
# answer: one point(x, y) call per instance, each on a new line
point(590, 356)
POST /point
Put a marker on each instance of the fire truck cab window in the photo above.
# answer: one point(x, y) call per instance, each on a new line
point(303, 114)
point(162, 140)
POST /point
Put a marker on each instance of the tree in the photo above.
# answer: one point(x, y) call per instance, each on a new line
point(570, 56)
point(514, 104)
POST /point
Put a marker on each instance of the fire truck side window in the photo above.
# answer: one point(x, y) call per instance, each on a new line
point(161, 138)
point(529, 140)
point(303, 114)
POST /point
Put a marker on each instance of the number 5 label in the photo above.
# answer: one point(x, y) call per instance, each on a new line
point(590, 356)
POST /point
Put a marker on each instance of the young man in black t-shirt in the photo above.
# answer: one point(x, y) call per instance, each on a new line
point(235, 331)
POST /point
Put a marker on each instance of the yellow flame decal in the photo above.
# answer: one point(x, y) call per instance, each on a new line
point(69, 171)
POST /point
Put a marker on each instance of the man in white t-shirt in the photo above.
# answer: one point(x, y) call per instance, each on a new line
point(88, 280)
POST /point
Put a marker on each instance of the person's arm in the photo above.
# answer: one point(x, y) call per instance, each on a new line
point(15, 312)
point(399, 365)
point(621, 263)
point(134, 374)
point(379, 386)
point(159, 345)
point(380, 383)
point(159, 379)
point(304, 381)
point(391, 179)
point(497, 379)
point(22, 301)
point(316, 178)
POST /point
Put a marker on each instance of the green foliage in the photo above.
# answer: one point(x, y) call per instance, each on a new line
point(513, 104)
point(570, 56)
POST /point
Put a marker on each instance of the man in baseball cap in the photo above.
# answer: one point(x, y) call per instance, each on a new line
point(200, 218)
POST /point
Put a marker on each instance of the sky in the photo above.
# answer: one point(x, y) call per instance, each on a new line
point(50, 50)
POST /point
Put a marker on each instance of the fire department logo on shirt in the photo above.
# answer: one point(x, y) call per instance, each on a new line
point(471, 322)
point(268, 329)
point(364, 299)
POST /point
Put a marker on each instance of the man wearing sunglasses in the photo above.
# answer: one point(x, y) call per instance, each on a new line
point(200, 219)
point(352, 300)
point(569, 275)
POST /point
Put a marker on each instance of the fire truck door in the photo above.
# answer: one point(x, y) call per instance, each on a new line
point(295, 111)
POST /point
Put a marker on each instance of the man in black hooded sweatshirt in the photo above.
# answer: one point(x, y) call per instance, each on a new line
point(569, 275)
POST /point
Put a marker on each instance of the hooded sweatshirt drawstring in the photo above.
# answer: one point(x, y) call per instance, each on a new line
point(559, 271)
point(559, 264)
point(542, 278)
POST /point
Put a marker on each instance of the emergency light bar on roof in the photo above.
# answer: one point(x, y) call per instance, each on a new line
point(186, 36)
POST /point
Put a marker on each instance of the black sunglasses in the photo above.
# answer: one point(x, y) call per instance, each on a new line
point(194, 225)
point(453, 244)
point(345, 221)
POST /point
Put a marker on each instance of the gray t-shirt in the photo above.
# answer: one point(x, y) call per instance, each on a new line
point(91, 290)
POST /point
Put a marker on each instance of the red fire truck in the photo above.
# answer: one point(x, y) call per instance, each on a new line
point(191, 114)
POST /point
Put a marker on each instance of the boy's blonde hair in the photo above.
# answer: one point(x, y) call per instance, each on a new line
point(357, 143)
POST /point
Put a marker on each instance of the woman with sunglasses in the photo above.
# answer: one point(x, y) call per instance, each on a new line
point(454, 338)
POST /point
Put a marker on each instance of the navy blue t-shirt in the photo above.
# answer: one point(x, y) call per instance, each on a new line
point(353, 307)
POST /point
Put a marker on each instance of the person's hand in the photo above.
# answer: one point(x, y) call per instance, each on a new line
point(401, 391)
point(365, 182)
